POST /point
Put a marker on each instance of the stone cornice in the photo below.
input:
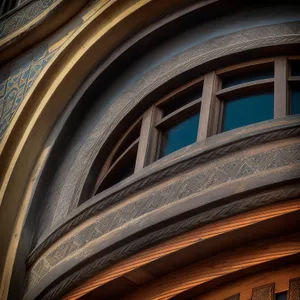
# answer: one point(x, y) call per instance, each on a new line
point(212, 148)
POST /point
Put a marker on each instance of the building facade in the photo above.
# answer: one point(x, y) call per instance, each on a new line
point(150, 149)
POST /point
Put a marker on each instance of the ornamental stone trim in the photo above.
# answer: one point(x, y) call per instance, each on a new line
point(166, 168)
point(23, 16)
point(91, 269)
point(247, 165)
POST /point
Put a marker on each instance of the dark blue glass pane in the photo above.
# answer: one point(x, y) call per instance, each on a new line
point(295, 109)
point(247, 77)
point(281, 296)
point(295, 66)
point(181, 135)
point(248, 110)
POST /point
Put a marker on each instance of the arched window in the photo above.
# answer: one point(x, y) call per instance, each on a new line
point(219, 101)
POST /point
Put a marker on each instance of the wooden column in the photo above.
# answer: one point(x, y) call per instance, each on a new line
point(209, 107)
point(148, 138)
point(280, 87)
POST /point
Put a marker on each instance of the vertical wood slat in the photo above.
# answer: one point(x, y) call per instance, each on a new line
point(280, 87)
point(148, 138)
point(294, 289)
point(265, 292)
point(209, 107)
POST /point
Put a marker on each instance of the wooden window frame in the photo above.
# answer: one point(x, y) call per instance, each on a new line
point(290, 81)
point(210, 107)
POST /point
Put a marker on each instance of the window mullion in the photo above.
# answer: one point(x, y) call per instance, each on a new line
point(209, 107)
point(280, 87)
point(148, 138)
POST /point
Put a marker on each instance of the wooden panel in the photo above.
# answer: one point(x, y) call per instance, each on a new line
point(192, 84)
point(266, 292)
point(280, 87)
point(281, 276)
point(234, 297)
point(294, 289)
point(148, 138)
point(139, 276)
point(179, 114)
point(183, 241)
point(245, 65)
point(294, 78)
point(246, 89)
point(209, 108)
point(224, 264)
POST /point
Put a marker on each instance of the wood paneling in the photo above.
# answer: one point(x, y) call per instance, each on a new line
point(280, 87)
point(294, 289)
point(281, 276)
point(181, 242)
point(266, 292)
point(234, 297)
point(210, 107)
point(218, 266)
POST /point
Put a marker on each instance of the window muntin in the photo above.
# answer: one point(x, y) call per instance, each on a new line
point(121, 169)
point(249, 74)
point(246, 97)
point(121, 162)
point(217, 102)
point(181, 100)
point(180, 135)
point(179, 124)
point(294, 87)
point(244, 111)
point(129, 138)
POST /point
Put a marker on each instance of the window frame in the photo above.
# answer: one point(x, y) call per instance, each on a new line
point(291, 80)
point(210, 107)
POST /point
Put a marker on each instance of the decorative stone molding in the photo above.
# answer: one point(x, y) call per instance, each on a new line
point(23, 15)
point(206, 187)
point(273, 36)
point(170, 166)
point(96, 266)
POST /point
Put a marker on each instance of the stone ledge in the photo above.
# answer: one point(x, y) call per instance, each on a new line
point(183, 160)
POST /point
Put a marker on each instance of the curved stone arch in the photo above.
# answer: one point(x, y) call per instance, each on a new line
point(31, 124)
point(269, 41)
point(50, 99)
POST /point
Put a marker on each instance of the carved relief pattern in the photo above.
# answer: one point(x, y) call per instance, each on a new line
point(265, 292)
point(294, 289)
point(242, 165)
point(15, 86)
point(22, 17)
point(158, 176)
point(166, 232)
